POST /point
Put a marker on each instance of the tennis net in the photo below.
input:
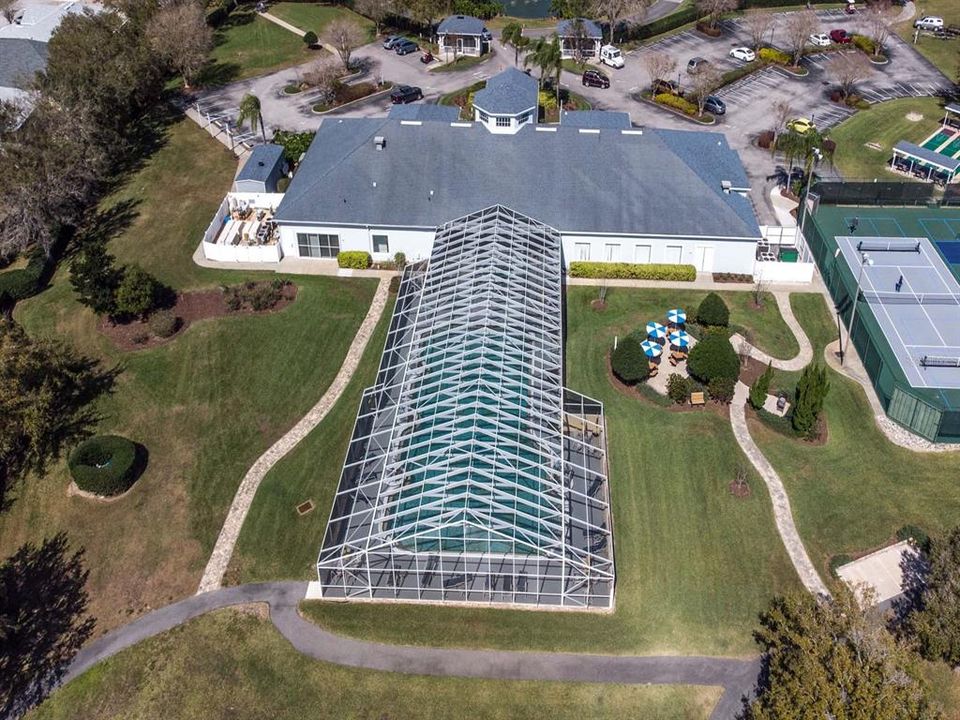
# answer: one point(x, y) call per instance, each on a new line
point(878, 245)
point(940, 361)
point(909, 298)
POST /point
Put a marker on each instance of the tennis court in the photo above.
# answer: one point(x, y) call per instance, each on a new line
point(913, 295)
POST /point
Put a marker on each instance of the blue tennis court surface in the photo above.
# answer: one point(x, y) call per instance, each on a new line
point(950, 249)
point(916, 301)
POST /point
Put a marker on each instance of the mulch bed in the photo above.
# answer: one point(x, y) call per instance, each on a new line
point(821, 439)
point(634, 394)
point(190, 307)
point(598, 305)
point(751, 370)
point(739, 490)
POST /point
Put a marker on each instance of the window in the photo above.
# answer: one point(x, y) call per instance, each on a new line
point(642, 254)
point(582, 251)
point(525, 118)
point(611, 252)
point(503, 122)
point(318, 246)
point(673, 254)
point(483, 116)
point(380, 244)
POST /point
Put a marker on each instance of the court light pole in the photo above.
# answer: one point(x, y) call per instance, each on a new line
point(865, 260)
point(817, 157)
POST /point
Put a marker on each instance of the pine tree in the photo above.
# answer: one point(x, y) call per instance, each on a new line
point(760, 387)
point(95, 278)
point(809, 397)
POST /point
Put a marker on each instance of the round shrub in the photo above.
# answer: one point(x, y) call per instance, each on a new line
point(104, 465)
point(917, 535)
point(713, 311)
point(163, 323)
point(629, 363)
point(310, 38)
point(713, 357)
point(677, 388)
point(721, 389)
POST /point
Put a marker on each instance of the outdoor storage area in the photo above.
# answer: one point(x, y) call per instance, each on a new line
point(243, 229)
point(905, 325)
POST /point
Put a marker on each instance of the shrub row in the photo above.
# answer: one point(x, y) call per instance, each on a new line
point(354, 259)
point(23, 282)
point(865, 44)
point(257, 296)
point(633, 271)
point(674, 101)
point(104, 465)
point(772, 55)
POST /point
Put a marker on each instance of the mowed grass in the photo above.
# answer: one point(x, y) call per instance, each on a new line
point(316, 17)
point(885, 124)
point(246, 46)
point(694, 564)
point(852, 494)
point(232, 665)
point(205, 405)
point(945, 54)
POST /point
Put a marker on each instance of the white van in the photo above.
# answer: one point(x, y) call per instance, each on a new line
point(929, 22)
point(610, 55)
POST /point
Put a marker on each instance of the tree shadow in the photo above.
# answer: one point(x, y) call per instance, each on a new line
point(141, 459)
point(216, 74)
point(101, 226)
point(915, 566)
point(43, 613)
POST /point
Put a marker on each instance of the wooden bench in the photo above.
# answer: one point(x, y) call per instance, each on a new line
point(697, 398)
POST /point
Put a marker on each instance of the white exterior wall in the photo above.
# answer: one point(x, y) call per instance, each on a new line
point(491, 120)
point(241, 253)
point(783, 272)
point(415, 244)
point(734, 256)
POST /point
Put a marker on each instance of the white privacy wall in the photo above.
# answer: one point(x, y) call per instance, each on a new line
point(415, 244)
point(706, 254)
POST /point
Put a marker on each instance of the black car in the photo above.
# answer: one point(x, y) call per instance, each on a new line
point(595, 78)
point(715, 105)
point(405, 46)
point(403, 94)
point(667, 87)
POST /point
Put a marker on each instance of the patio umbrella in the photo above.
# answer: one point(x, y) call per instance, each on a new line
point(651, 349)
point(656, 330)
point(677, 316)
point(680, 338)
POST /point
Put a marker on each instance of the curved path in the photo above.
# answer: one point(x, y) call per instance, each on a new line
point(223, 550)
point(737, 677)
point(801, 359)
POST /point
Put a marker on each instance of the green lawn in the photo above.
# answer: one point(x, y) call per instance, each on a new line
point(852, 494)
point(232, 665)
point(316, 17)
point(694, 564)
point(884, 124)
point(247, 45)
point(945, 54)
point(205, 405)
point(464, 62)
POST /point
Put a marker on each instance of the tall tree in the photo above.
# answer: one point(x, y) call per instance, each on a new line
point(702, 84)
point(46, 395)
point(95, 278)
point(713, 10)
point(808, 401)
point(935, 622)
point(615, 11)
point(849, 69)
point(43, 620)
point(179, 34)
point(798, 29)
point(831, 659)
point(569, 9)
point(658, 65)
point(545, 55)
point(512, 36)
point(781, 111)
point(249, 111)
point(9, 10)
point(880, 17)
point(346, 36)
point(376, 10)
point(758, 25)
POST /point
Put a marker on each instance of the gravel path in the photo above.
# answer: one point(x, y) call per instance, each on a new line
point(223, 550)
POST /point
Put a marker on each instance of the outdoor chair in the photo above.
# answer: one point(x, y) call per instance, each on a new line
point(781, 403)
point(698, 398)
point(673, 360)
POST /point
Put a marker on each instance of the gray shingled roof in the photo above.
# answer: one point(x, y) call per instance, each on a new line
point(418, 111)
point(261, 163)
point(928, 156)
point(590, 28)
point(508, 93)
point(606, 182)
point(460, 25)
point(19, 60)
point(597, 119)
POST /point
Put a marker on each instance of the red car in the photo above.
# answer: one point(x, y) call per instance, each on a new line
point(840, 36)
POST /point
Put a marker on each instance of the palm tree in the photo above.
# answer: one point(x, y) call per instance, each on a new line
point(546, 56)
point(512, 35)
point(250, 110)
point(805, 147)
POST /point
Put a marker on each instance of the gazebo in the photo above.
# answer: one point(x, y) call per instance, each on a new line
point(951, 116)
point(923, 163)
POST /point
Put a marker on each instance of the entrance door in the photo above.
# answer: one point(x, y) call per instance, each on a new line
point(582, 251)
point(642, 254)
point(705, 258)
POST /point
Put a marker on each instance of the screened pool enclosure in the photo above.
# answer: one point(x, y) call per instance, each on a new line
point(472, 474)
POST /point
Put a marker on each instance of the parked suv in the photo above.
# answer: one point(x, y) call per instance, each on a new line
point(403, 94)
point(595, 78)
point(696, 65)
point(929, 22)
point(667, 86)
point(713, 104)
point(404, 47)
point(391, 42)
point(840, 36)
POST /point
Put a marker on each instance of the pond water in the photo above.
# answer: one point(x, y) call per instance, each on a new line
point(527, 8)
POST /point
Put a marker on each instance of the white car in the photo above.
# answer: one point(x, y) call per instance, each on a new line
point(743, 53)
point(929, 22)
point(819, 39)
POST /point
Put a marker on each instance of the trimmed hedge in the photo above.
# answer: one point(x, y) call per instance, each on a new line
point(633, 271)
point(713, 357)
point(628, 361)
point(772, 55)
point(23, 282)
point(670, 100)
point(104, 465)
point(354, 259)
point(713, 311)
point(865, 44)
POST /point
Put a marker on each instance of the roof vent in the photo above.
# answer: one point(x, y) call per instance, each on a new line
point(726, 185)
point(379, 142)
point(261, 163)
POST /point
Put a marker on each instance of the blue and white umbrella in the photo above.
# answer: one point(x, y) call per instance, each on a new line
point(680, 338)
point(677, 316)
point(651, 349)
point(656, 330)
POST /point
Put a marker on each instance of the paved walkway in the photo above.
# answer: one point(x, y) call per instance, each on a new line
point(223, 550)
point(801, 359)
point(782, 513)
point(737, 677)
